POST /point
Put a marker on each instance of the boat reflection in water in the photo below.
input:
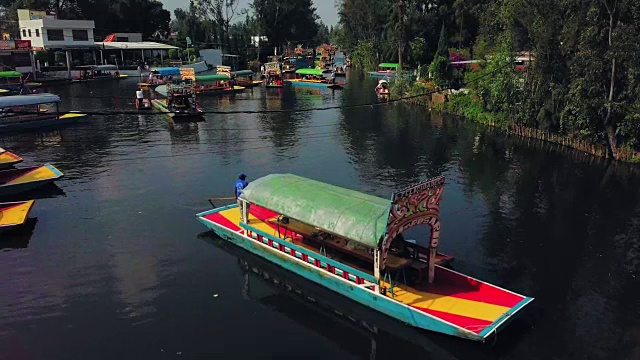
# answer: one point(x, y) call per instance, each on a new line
point(356, 329)
point(18, 238)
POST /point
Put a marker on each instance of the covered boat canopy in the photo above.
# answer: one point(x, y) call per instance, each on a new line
point(389, 65)
point(105, 68)
point(343, 212)
point(243, 73)
point(211, 78)
point(166, 71)
point(10, 74)
point(309, 71)
point(24, 100)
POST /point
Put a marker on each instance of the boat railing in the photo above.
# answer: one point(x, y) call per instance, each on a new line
point(320, 261)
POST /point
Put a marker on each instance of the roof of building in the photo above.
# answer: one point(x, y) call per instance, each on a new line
point(143, 45)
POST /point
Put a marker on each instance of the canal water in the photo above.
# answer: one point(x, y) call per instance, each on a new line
point(117, 267)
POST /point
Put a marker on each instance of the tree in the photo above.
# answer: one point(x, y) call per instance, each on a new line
point(283, 21)
point(443, 44)
point(418, 47)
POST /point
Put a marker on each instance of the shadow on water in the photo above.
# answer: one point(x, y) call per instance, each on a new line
point(48, 191)
point(356, 329)
point(18, 238)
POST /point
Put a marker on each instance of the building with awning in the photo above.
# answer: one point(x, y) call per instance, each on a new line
point(132, 52)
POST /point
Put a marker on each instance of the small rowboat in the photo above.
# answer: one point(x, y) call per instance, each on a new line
point(20, 180)
point(14, 214)
point(8, 159)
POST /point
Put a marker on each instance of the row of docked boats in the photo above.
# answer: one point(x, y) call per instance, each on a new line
point(18, 181)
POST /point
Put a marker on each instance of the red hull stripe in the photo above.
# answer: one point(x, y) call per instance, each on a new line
point(471, 324)
point(463, 287)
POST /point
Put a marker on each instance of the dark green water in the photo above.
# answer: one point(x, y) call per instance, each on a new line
point(117, 267)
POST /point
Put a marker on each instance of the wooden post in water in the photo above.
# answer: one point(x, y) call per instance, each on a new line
point(68, 56)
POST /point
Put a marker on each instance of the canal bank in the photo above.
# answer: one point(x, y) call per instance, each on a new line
point(462, 103)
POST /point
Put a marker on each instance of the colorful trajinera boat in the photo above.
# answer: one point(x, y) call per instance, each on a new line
point(15, 83)
point(99, 72)
point(351, 243)
point(14, 214)
point(16, 181)
point(8, 159)
point(288, 65)
point(244, 78)
point(273, 75)
point(385, 70)
point(160, 76)
point(180, 104)
point(217, 84)
point(18, 112)
point(313, 78)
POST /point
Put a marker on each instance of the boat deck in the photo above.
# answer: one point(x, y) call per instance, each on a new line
point(453, 297)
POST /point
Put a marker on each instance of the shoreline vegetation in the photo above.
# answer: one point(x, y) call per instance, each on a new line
point(562, 71)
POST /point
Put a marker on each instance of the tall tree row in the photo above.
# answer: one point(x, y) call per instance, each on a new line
point(585, 78)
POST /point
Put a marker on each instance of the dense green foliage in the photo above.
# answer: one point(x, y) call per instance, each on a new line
point(584, 79)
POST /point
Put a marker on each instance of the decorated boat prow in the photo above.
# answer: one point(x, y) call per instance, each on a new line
point(16, 181)
point(352, 244)
point(14, 214)
point(8, 159)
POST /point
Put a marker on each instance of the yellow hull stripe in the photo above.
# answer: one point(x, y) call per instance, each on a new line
point(448, 304)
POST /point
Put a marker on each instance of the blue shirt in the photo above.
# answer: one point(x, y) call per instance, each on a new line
point(240, 184)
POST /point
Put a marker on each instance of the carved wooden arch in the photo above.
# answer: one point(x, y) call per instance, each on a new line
point(412, 206)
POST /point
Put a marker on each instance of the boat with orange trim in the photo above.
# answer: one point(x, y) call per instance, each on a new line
point(14, 214)
point(16, 181)
point(20, 112)
point(8, 159)
point(352, 244)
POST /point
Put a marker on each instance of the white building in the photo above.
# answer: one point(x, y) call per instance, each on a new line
point(46, 32)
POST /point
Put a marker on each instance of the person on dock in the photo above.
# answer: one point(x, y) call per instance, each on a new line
point(139, 98)
point(333, 77)
point(238, 187)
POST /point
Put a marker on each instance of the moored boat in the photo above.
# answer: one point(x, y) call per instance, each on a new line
point(8, 159)
point(16, 181)
point(313, 78)
point(161, 76)
point(352, 244)
point(180, 104)
point(217, 84)
point(99, 72)
point(244, 78)
point(14, 214)
point(18, 112)
point(288, 65)
point(15, 83)
point(272, 75)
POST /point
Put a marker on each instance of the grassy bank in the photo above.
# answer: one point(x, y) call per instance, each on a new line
point(466, 106)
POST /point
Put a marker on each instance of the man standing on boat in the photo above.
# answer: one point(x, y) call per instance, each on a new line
point(139, 98)
point(239, 186)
